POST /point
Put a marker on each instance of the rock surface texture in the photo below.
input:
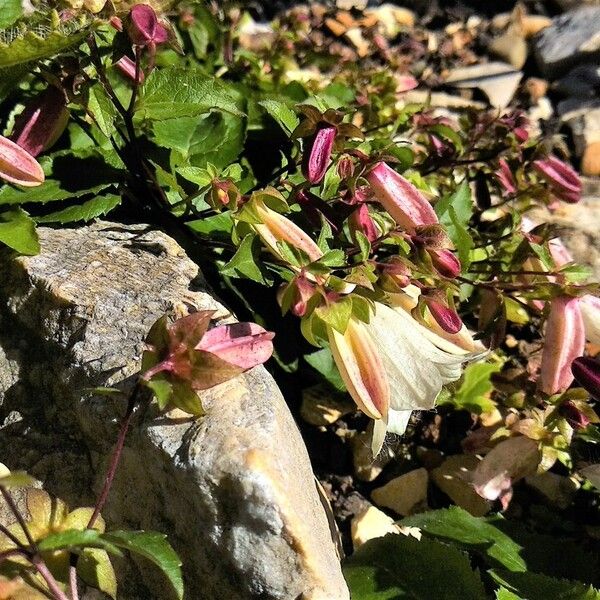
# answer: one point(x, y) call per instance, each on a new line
point(233, 490)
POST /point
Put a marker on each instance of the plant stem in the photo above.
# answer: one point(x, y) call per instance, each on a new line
point(73, 582)
point(17, 513)
point(116, 456)
point(52, 584)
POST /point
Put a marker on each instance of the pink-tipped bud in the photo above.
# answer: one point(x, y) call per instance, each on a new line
point(361, 220)
point(317, 154)
point(243, 345)
point(586, 371)
point(18, 166)
point(127, 67)
point(574, 417)
point(505, 177)
point(564, 341)
point(144, 28)
point(116, 23)
point(400, 198)
point(561, 177)
point(345, 167)
point(42, 122)
point(444, 316)
point(445, 263)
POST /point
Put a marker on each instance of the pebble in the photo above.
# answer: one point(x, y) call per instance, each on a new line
point(405, 494)
point(511, 47)
point(556, 489)
point(369, 524)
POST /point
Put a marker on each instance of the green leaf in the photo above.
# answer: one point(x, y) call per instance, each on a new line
point(175, 92)
point(161, 388)
point(282, 113)
point(92, 209)
point(95, 569)
point(17, 231)
point(534, 586)
point(155, 547)
point(472, 395)
point(336, 314)
point(10, 12)
point(461, 238)
point(221, 223)
point(515, 312)
point(504, 594)
point(72, 539)
point(396, 567)
point(50, 191)
point(246, 261)
point(104, 111)
point(470, 533)
point(322, 361)
point(462, 204)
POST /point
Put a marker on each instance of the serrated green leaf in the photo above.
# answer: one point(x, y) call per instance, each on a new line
point(17, 231)
point(396, 567)
point(175, 92)
point(461, 202)
point(103, 109)
point(535, 586)
point(92, 209)
point(10, 12)
point(470, 533)
point(50, 191)
point(155, 547)
point(73, 539)
point(461, 238)
point(245, 262)
point(282, 113)
point(336, 314)
point(472, 394)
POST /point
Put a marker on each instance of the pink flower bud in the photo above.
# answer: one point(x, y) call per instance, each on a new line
point(405, 83)
point(361, 220)
point(397, 270)
point(243, 345)
point(444, 316)
point(144, 28)
point(127, 67)
point(400, 198)
point(445, 262)
point(318, 153)
point(561, 177)
point(564, 341)
point(505, 177)
point(574, 417)
point(586, 371)
point(42, 122)
point(590, 311)
point(345, 167)
point(18, 166)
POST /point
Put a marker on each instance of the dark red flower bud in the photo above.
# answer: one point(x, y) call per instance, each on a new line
point(445, 263)
point(586, 371)
point(444, 316)
point(127, 67)
point(361, 220)
point(574, 417)
point(144, 27)
point(561, 177)
point(42, 122)
point(318, 153)
point(345, 167)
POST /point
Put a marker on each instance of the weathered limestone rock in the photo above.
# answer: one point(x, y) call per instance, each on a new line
point(233, 490)
point(573, 38)
point(405, 494)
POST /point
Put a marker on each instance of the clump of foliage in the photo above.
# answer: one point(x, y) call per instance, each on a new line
point(395, 237)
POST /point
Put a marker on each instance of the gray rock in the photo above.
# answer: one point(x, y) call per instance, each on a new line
point(233, 490)
point(583, 119)
point(573, 38)
point(583, 82)
point(497, 80)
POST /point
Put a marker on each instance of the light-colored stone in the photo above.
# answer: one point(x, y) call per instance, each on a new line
point(510, 47)
point(556, 489)
point(497, 80)
point(369, 524)
point(320, 407)
point(391, 19)
point(452, 477)
point(404, 494)
point(573, 38)
point(233, 490)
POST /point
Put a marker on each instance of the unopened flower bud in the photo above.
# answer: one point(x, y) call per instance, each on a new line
point(574, 417)
point(42, 122)
point(397, 271)
point(444, 316)
point(144, 28)
point(361, 220)
point(564, 341)
point(562, 178)
point(400, 198)
point(127, 67)
point(445, 263)
point(317, 154)
point(18, 166)
point(586, 371)
point(505, 177)
point(590, 311)
point(345, 167)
